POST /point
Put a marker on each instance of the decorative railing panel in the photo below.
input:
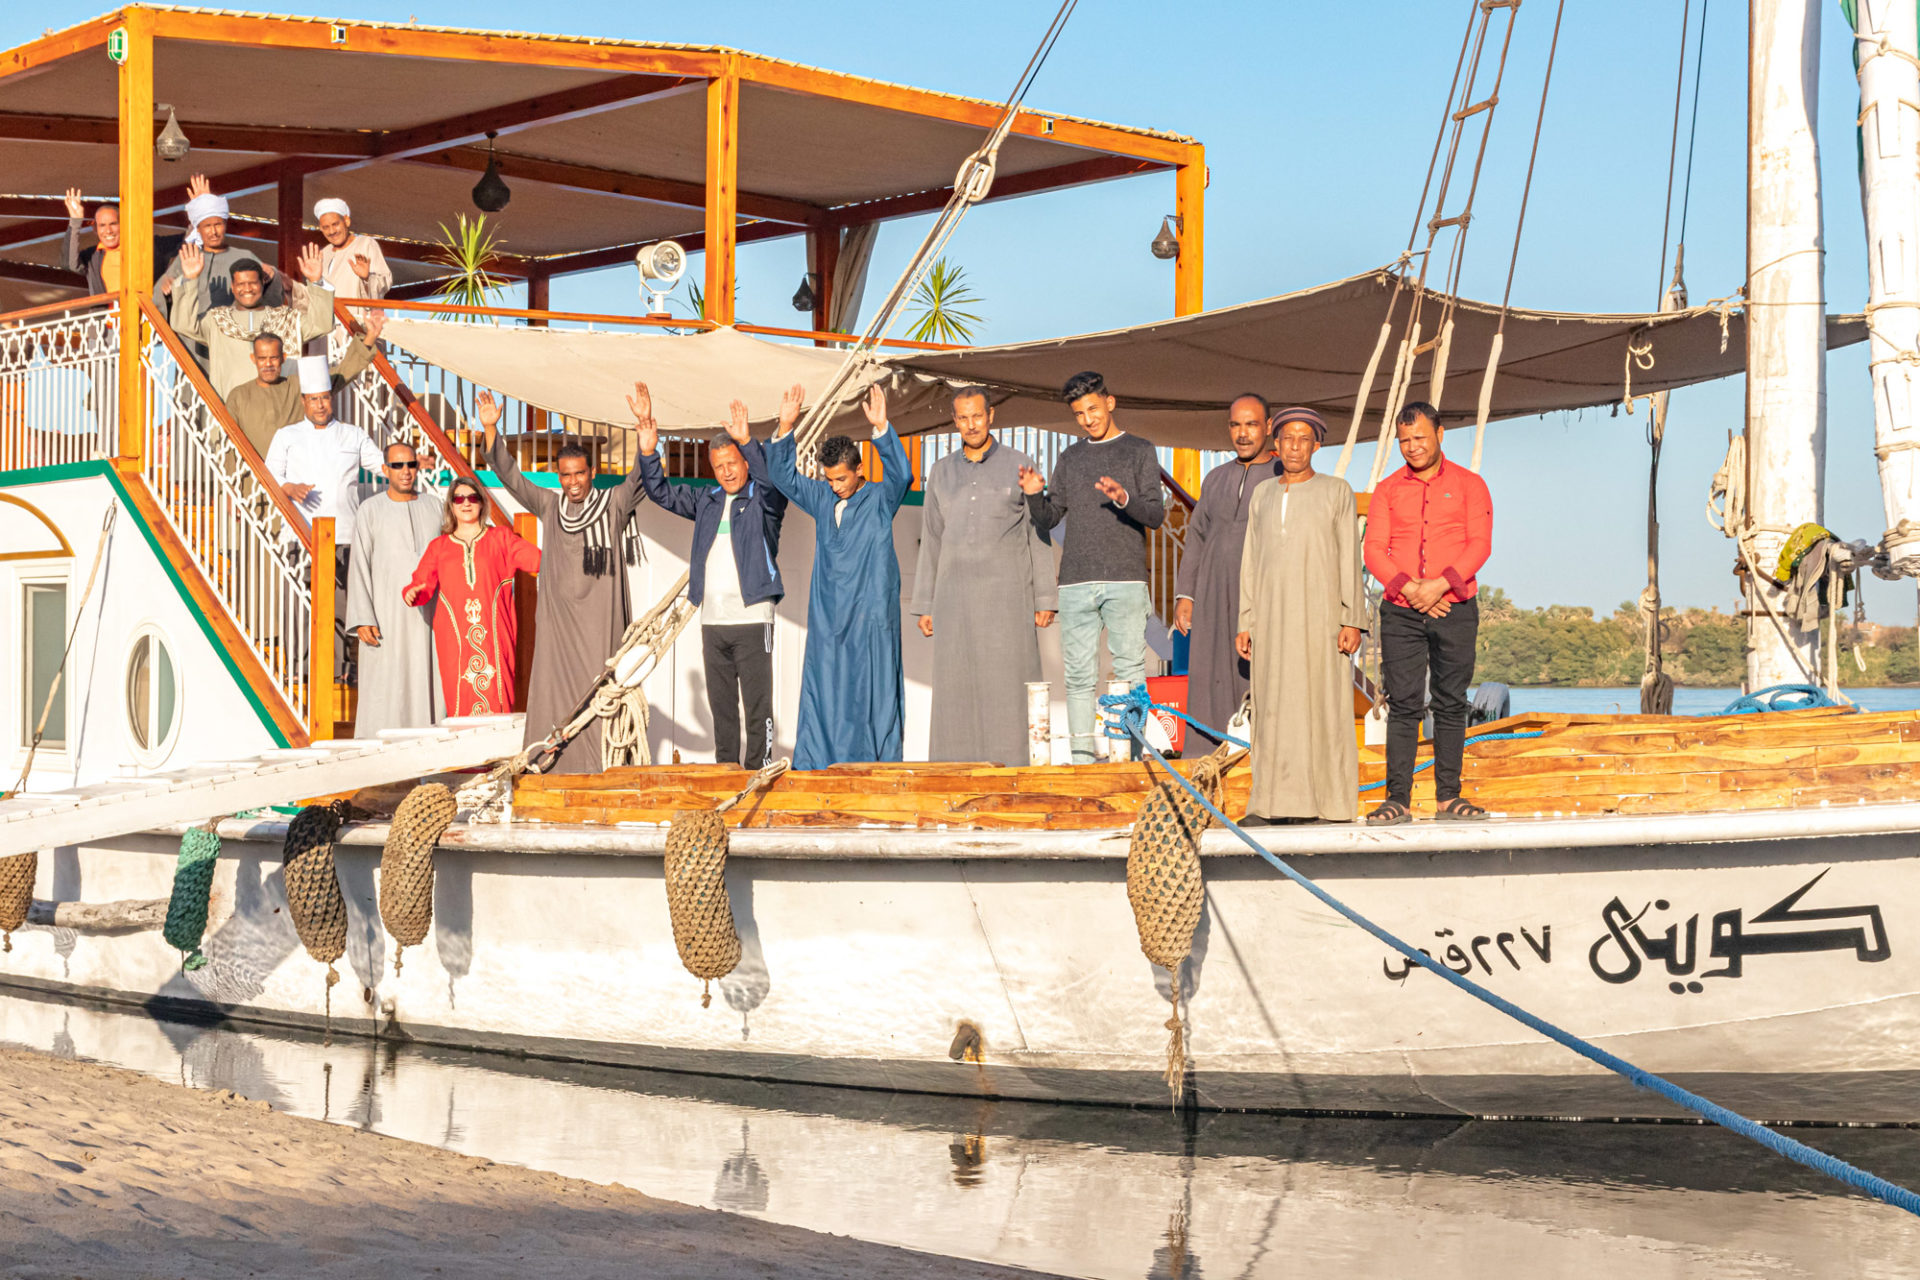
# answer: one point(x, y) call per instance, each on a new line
point(59, 389)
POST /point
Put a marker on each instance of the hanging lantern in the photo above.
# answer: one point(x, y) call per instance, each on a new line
point(172, 143)
point(491, 193)
point(1166, 246)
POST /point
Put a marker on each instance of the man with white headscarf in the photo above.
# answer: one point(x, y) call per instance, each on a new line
point(350, 263)
point(1302, 614)
point(227, 332)
point(207, 218)
point(318, 460)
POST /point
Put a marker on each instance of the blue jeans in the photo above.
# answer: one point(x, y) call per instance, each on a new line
point(1085, 609)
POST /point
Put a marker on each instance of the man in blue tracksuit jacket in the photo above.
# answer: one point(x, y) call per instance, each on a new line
point(733, 576)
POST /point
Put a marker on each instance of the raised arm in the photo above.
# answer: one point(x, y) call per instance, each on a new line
point(318, 319)
point(187, 313)
point(815, 497)
point(528, 494)
point(75, 212)
point(359, 353)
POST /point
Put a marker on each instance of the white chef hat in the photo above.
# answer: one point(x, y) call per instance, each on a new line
point(332, 204)
point(315, 379)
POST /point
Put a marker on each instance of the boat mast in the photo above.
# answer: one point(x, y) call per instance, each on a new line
point(1786, 318)
point(1887, 42)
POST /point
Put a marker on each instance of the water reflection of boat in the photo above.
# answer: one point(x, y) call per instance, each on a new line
point(1078, 1190)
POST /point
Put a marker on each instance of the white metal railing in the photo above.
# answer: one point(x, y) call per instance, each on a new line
point(59, 389)
point(238, 537)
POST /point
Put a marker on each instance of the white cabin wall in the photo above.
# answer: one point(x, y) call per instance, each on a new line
point(134, 590)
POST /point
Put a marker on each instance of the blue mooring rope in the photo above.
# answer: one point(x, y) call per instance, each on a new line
point(1132, 709)
point(1780, 697)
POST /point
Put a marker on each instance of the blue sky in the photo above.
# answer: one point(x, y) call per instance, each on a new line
point(1318, 123)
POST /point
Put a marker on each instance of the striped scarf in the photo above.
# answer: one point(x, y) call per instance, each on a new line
point(591, 522)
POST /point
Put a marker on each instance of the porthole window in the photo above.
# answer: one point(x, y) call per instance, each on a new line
point(153, 697)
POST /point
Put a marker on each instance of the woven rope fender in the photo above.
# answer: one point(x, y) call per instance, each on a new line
point(697, 897)
point(696, 876)
point(406, 865)
point(192, 888)
point(1167, 890)
point(16, 892)
point(313, 886)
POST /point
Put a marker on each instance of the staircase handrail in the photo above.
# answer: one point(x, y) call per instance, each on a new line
point(217, 410)
point(422, 420)
point(55, 308)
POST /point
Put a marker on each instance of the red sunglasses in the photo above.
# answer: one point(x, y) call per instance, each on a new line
point(465, 499)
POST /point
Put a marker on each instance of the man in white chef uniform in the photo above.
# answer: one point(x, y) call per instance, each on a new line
point(318, 461)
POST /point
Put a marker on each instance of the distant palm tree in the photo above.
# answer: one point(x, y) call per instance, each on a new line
point(940, 306)
point(467, 250)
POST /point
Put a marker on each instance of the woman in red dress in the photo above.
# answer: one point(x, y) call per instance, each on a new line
point(471, 564)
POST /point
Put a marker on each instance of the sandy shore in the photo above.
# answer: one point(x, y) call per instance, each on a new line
point(106, 1173)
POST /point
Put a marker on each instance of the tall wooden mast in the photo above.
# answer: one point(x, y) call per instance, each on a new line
point(1786, 318)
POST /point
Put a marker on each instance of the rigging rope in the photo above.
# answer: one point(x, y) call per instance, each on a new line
point(970, 185)
point(53, 689)
point(1485, 405)
point(1132, 723)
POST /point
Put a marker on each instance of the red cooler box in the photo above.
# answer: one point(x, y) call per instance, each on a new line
point(1170, 691)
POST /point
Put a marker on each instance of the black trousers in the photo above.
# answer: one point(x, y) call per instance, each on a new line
point(1423, 657)
point(740, 670)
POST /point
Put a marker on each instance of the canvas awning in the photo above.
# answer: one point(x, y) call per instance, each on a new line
point(693, 378)
point(1175, 378)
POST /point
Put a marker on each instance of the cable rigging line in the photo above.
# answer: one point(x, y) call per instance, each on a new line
point(970, 185)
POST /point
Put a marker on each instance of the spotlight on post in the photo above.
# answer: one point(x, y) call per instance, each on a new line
point(491, 193)
point(661, 266)
point(1166, 245)
point(172, 143)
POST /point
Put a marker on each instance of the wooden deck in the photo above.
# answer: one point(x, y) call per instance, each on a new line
point(1578, 765)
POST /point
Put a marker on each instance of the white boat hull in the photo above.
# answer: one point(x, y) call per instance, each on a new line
point(861, 970)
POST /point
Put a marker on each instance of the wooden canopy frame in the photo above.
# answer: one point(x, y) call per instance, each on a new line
point(635, 73)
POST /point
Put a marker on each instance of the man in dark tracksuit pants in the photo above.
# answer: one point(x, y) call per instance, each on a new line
point(734, 576)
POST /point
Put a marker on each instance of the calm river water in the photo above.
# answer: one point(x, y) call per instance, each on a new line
point(1082, 1191)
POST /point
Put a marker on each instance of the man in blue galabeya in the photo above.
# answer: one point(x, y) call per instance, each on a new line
point(852, 700)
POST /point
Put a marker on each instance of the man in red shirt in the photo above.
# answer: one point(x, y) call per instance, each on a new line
point(1429, 529)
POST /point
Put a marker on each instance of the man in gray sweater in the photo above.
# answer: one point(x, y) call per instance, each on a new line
point(1107, 490)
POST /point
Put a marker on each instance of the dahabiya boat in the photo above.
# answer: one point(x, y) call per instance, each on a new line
point(1724, 899)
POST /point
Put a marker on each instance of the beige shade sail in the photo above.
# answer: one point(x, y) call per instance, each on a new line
point(693, 378)
point(1175, 378)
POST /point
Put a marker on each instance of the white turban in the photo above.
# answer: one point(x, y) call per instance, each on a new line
point(315, 379)
point(332, 204)
point(200, 208)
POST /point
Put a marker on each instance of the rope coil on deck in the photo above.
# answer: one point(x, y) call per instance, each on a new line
point(16, 893)
point(696, 879)
point(406, 865)
point(192, 890)
point(314, 899)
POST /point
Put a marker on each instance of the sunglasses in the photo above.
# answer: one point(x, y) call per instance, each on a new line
point(465, 500)
point(403, 466)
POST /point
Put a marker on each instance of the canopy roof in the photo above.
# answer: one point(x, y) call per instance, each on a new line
point(1175, 378)
point(605, 143)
